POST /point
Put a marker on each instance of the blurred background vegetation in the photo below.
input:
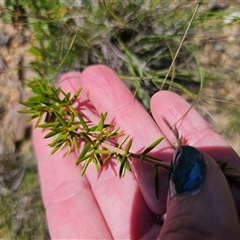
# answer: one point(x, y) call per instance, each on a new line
point(138, 39)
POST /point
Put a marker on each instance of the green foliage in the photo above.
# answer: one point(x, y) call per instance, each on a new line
point(137, 38)
point(21, 209)
point(70, 128)
point(152, 146)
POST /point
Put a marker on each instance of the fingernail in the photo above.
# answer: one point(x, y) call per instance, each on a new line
point(188, 171)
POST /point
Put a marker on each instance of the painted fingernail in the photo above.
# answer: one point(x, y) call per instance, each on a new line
point(188, 171)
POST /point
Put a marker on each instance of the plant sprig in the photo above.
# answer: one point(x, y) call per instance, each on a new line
point(72, 130)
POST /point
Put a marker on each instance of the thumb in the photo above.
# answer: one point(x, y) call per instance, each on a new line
point(200, 204)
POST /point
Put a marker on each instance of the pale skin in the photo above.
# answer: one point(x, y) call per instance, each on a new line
point(103, 206)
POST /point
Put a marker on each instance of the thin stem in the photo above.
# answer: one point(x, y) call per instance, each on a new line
point(153, 160)
point(150, 159)
point(113, 149)
point(180, 45)
point(144, 158)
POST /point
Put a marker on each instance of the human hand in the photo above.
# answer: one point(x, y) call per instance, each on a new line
point(102, 206)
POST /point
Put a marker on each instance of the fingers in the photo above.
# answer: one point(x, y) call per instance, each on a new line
point(67, 197)
point(109, 94)
point(200, 202)
point(195, 129)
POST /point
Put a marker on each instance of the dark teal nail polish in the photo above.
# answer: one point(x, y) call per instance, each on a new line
point(188, 171)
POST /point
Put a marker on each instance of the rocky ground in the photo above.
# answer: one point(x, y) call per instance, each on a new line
point(17, 163)
point(219, 55)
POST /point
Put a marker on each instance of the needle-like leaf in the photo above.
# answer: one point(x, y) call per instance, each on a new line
point(60, 118)
point(58, 140)
point(85, 137)
point(122, 168)
point(100, 125)
point(75, 142)
point(85, 165)
point(83, 153)
point(102, 151)
point(38, 120)
point(76, 95)
point(123, 141)
point(83, 123)
point(51, 134)
point(152, 146)
point(56, 148)
point(98, 158)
